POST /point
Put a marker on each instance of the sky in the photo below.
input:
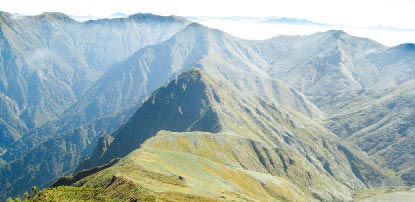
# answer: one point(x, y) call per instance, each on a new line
point(351, 13)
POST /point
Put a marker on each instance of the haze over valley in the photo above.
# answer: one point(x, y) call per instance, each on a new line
point(147, 107)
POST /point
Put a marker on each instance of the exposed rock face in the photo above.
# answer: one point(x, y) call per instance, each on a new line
point(283, 143)
point(183, 105)
point(47, 63)
point(62, 88)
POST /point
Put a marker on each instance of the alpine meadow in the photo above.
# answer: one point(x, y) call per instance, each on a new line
point(176, 106)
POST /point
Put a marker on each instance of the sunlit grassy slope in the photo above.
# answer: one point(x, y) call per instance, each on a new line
point(251, 150)
point(192, 166)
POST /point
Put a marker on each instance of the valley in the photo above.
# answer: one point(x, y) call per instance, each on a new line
point(147, 108)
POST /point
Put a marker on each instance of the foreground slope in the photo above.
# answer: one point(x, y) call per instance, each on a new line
point(251, 70)
point(277, 141)
point(193, 166)
point(116, 95)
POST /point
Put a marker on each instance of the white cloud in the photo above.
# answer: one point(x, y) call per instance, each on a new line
point(396, 13)
point(252, 29)
point(354, 12)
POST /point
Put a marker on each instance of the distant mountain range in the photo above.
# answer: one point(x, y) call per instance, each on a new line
point(291, 21)
point(320, 116)
point(269, 20)
point(87, 18)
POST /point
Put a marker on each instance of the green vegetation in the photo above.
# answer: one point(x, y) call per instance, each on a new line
point(174, 174)
point(252, 150)
point(250, 120)
point(64, 193)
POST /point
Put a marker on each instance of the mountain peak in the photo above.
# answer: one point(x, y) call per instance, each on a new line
point(200, 30)
point(337, 33)
point(196, 26)
point(152, 17)
point(197, 100)
point(406, 46)
point(6, 14)
point(193, 73)
point(182, 105)
point(55, 16)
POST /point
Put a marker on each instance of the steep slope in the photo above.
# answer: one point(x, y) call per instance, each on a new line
point(388, 68)
point(316, 63)
point(227, 57)
point(321, 66)
point(48, 61)
point(286, 143)
point(378, 118)
point(163, 111)
point(131, 81)
point(329, 63)
point(127, 84)
point(383, 127)
point(364, 89)
point(193, 166)
point(55, 156)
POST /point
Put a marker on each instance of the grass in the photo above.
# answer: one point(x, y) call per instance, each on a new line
point(190, 168)
point(386, 194)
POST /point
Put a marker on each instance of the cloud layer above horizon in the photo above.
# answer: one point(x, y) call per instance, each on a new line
point(393, 20)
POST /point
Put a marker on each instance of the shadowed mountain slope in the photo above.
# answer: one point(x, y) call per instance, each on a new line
point(382, 126)
point(277, 93)
point(286, 143)
point(127, 84)
point(48, 61)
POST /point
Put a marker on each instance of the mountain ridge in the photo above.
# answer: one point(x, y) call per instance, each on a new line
point(46, 66)
point(274, 131)
point(308, 77)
